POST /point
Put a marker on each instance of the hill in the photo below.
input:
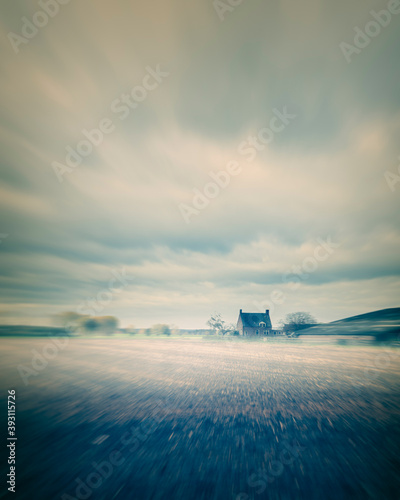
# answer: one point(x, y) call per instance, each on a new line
point(383, 324)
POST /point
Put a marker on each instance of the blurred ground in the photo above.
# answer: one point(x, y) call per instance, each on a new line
point(203, 419)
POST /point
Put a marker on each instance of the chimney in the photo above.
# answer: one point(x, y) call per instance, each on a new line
point(266, 311)
point(240, 311)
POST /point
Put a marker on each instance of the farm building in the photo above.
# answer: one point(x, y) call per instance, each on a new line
point(250, 324)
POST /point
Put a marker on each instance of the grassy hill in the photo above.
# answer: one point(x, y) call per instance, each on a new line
point(382, 324)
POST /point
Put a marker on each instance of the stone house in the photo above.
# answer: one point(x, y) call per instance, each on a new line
point(253, 324)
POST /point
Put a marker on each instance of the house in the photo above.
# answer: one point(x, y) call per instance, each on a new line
point(250, 324)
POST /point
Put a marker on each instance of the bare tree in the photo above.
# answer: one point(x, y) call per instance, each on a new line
point(294, 322)
point(219, 327)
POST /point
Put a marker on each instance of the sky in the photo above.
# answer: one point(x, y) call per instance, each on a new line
point(242, 157)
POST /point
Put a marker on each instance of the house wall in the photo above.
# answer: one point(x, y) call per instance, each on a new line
point(247, 331)
point(252, 331)
point(239, 326)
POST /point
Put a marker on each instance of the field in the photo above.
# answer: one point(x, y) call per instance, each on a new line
point(202, 419)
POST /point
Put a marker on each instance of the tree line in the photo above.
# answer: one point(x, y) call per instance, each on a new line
point(76, 323)
point(81, 324)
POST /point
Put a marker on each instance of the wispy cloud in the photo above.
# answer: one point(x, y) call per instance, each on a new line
point(324, 175)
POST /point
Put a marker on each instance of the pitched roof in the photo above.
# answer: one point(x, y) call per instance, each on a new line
point(253, 320)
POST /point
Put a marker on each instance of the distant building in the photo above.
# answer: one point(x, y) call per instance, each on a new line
point(250, 324)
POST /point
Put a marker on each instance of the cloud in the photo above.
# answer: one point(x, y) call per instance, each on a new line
point(322, 176)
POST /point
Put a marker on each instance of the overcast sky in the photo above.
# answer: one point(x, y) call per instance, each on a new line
point(222, 77)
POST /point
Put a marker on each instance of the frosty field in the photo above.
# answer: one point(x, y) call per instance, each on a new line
point(204, 419)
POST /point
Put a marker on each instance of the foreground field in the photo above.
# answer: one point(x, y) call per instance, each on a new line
point(199, 419)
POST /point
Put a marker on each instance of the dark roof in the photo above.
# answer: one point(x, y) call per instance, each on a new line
point(253, 320)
